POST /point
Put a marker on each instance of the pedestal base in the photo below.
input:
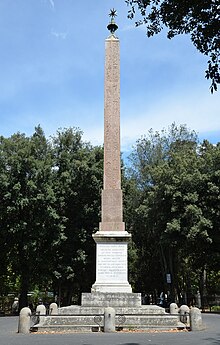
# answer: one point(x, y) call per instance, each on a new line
point(91, 318)
point(115, 299)
point(111, 287)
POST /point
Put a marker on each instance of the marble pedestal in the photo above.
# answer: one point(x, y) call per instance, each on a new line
point(111, 299)
point(111, 262)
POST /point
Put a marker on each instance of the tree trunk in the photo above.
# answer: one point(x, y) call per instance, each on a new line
point(23, 299)
point(163, 264)
point(69, 293)
point(203, 288)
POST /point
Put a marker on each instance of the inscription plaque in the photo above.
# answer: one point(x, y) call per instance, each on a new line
point(111, 262)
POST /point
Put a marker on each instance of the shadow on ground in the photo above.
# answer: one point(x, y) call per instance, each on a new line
point(213, 341)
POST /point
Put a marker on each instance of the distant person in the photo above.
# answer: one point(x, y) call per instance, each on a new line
point(15, 306)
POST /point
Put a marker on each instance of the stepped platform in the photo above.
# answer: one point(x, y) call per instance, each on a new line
point(89, 317)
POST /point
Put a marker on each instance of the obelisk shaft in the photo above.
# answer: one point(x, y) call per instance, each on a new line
point(112, 239)
point(112, 218)
point(112, 164)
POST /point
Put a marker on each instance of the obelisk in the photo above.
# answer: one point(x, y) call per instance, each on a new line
point(112, 239)
point(111, 288)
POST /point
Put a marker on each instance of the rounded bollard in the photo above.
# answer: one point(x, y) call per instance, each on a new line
point(41, 311)
point(53, 309)
point(184, 314)
point(195, 319)
point(174, 309)
point(109, 320)
point(24, 322)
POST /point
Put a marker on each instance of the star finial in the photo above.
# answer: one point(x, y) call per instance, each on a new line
point(113, 13)
point(112, 27)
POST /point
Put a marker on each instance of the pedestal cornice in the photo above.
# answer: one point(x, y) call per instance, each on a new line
point(111, 236)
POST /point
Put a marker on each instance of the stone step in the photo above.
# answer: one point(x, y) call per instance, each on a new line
point(134, 319)
point(92, 318)
point(64, 328)
point(142, 310)
point(96, 328)
point(94, 322)
point(99, 299)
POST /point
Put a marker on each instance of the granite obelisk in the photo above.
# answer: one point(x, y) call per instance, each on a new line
point(112, 239)
point(111, 288)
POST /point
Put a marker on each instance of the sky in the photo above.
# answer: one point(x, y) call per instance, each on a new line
point(52, 73)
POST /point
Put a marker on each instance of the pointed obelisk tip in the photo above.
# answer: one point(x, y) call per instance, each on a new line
point(112, 26)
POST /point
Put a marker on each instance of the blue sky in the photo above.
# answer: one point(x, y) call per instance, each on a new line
point(52, 73)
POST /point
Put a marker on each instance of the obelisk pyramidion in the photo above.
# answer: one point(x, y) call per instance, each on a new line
point(112, 239)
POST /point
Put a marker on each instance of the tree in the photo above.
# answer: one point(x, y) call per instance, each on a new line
point(175, 214)
point(49, 208)
point(199, 19)
point(78, 181)
point(31, 228)
point(209, 197)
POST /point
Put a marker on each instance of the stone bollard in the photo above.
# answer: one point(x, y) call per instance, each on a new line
point(174, 309)
point(24, 322)
point(109, 320)
point(41, 310)
point(196, 319)
point(184, 314)
point(53, 309)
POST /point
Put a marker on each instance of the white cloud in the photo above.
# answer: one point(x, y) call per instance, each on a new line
point(128, 28)
point(61, 35)
point(198, 111)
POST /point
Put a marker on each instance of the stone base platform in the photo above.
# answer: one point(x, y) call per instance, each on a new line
point(91, 317)
point(111, 299)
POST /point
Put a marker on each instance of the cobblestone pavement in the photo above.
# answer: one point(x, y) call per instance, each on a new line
point(209, 336)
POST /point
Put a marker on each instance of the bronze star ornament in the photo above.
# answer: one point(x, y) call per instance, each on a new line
point(113, 13)
point(112, 26)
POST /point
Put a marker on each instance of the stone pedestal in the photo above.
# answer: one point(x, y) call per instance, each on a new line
point(111, 262)
point(113, 299)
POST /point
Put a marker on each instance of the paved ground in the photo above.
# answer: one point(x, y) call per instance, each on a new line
point(209, 336)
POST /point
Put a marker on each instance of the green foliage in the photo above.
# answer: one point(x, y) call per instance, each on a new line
point(50, 205)
point(174, 212)
point(199, 19)
point(78, 187)
point(29, 222)
point(213, 282)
